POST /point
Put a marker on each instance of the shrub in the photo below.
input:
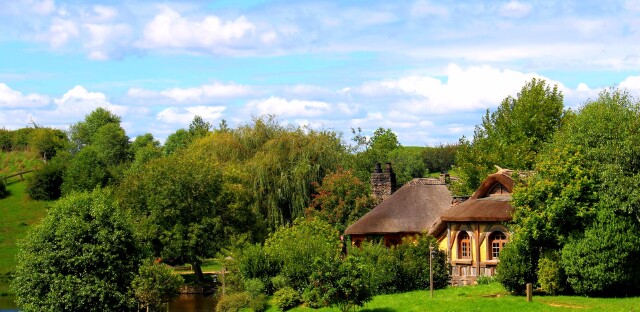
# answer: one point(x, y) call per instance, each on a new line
point(279, 282)
point(45, 183)
point(259, 303)
point(156, 284)
point(517, 265)
point(413, 264)
point(485, 280)
point(253, 262)
point(379, 265)
point(603, 262)
point(298, 249)
point(234, 302)
point(254, 287)
point(286, 298)
point(550, 274)
point(3, 188)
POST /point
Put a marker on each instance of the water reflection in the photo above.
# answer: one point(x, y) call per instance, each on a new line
point(193, 303)
point(183, 303)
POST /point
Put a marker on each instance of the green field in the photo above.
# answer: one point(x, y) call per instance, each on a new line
point(491, 297)
point(18, 212)
point(14, 162)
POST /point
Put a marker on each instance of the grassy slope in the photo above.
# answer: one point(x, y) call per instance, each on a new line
point(491, 297)
point(18, 213)
point(14, 162)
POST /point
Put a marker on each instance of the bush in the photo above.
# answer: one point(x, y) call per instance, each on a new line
point(517, 265)
point(279, 282)
point(3, 188)
point(298, 249)
point(550, 274)
point(380, 267)
point(234, 302)
point(253, 262)
point(604, 261)
point(155, 285)
point(286, 298)
point(254, 287)
point(45, 183)
point(413, 264)
point(259, 303)
point(485, 280)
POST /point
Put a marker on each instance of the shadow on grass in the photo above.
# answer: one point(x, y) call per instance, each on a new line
point(378, 310)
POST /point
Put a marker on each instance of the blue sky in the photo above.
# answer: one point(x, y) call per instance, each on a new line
point(426, 69)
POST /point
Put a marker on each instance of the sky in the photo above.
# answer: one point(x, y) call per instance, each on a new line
point(428, 70)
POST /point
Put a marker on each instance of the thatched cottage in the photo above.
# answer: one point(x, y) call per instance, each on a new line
point(471, 232)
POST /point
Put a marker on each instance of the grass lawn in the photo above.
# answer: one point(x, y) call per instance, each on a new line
point(17, 161)
point(18, 212)
point(491, 297)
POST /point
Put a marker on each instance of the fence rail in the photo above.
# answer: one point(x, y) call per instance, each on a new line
point(21, 174)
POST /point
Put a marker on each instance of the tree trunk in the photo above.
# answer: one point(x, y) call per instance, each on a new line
point(197, 271)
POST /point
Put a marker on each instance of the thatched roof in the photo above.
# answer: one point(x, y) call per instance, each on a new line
point(483, 205)
point(411, 209)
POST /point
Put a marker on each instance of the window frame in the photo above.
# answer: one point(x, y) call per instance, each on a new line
point(496, 237)
point(464, 239)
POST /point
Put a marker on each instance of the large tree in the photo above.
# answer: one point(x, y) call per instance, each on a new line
point(82, 132)
point(584, 199)
point(511, 136)
point(82, 257)
point(186, 207)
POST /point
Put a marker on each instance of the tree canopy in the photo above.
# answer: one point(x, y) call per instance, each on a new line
point(82, 257)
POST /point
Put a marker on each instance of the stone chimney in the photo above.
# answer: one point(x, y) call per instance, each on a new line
point(445, 178)
point(383, 184)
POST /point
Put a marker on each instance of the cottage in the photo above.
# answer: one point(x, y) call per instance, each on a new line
point(473, 232)
point(410, 210)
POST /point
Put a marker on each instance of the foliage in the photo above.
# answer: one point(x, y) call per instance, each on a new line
point(112, 144)
point(82, 133)
point(234, 302)
point(82, 257)
point(590, 168)
point(413, 265)
point(551, 273)
point(407, 163)
point(155, 285)
point(341, 283)
point(6, 139)
point(185, 207)
point(47, 142)
point(341, 199)
point(380, 265)
point(254, 263)
point(144, 148)
point(369, 151)
point(440, 158)
point(279, 281)
point(518, 264)
point(603, 262)
point(21, 138)
point(485, 280)
point(177, 141)
point(286, 298)
point(85, 171)
point(512, 136)
point(45, 183)
point(302, 247)
point(254, 286)
point(3, 189)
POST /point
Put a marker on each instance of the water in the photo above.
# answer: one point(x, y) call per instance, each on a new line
point(183, 303)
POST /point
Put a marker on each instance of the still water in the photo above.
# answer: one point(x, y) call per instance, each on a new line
point(183, 303)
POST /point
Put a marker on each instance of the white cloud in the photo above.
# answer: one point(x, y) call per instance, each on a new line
point(60, 31)
point(169, 29)
point(632, 85)
point(104, 14)
point(184, 116)
point(290, 108)
point(201, 94)
point(10, 98)
point(107, 41)
point(423, 8)
point(78, 102)
point(515, 9)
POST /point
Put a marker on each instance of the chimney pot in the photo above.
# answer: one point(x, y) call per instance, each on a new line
point(378, 168)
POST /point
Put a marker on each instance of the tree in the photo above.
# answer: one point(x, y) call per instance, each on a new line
point(82, 257)
point(369, 151)
point(155, 285)
point(47, 142)
point(186, 208)
point(585, 178)
point(513, 135)
point(176, 141)
point(341, 199)
point(407, 163)
point(112, 144)
point(440, 158)
point(85, 172)
point(45, 183)
point(82, 132)
point(198, 127)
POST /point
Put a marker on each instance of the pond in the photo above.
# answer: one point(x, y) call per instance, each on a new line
point(183, 303)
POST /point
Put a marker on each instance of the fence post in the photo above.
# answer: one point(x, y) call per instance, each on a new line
point(529, 292)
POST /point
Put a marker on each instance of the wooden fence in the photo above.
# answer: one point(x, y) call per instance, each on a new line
point(20, 174)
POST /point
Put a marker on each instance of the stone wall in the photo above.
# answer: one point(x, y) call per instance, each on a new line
point(383, 183)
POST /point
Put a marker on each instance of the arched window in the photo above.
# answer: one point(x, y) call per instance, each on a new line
point(464, 246)
point(497, 240)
